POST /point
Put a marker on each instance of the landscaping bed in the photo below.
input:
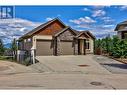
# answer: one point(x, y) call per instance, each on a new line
point(123, 60)
point(8, 58)
point(112, 47)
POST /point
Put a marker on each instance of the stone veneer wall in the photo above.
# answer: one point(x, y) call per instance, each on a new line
point(76, 46)
point(67, 36)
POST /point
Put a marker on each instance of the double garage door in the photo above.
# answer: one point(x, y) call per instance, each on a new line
point(43, 48)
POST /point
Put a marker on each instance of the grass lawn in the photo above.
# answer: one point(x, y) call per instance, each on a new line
point(7, 58)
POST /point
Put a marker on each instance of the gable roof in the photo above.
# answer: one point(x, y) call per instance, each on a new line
point(91, 35)
point(118, 25)
point(81, 33)
point(41, 27)
point(87, 33)
point(63, 30)
point(124, 22)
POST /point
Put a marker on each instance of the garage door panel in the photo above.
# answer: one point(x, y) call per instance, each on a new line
point(66, 48)
point(43, 48)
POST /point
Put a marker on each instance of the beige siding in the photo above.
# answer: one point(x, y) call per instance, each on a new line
point(26, 44)
point(91, 46)
point(39, 37)
point(119, 34)
point(121, 27)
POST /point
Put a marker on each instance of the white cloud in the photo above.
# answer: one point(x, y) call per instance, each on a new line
point(123, 7)
point(15, 22)
point(14, 28)
point(104, 33)
point(75, 21)
point(98, 13)
point(99, 30)
point(83, 20)
point(97, 7)
point(23, 29)
point(107, 19)
point(106, 26)
point(87, 20)
point(83, 26)
point(86, 9)
point(49, 18)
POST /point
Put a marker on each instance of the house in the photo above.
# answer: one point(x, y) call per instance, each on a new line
point(121, 29)
point(55, 38)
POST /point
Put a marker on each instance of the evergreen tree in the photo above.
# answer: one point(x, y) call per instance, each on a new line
point(1, 47)
point(14, 47)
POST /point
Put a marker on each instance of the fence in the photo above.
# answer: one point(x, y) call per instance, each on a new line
point(26, 57)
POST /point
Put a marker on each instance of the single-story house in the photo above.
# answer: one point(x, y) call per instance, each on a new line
point(121, 29)
point(55, 38)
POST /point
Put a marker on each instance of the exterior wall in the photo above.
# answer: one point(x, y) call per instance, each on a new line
point(40, 37)
point(25, 44)
point(91, 47)
point(119, 34)
point(65, 36)
point(76, 47)
point(123, 34)
point(121, 31)
point(122, 27)
point(51, 29)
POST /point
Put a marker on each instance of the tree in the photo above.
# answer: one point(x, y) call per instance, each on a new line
point(1, 47)
point(113, 46)
point(14, 47)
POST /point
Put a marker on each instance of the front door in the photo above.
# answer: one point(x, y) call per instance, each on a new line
point(81, 46)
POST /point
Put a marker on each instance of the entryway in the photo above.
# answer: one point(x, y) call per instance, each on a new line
point(81, 46)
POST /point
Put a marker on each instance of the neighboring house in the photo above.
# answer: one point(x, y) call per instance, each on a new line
point(55, 38)
point(121, 29)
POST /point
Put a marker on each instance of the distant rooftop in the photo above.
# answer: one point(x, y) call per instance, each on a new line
point(122, 23)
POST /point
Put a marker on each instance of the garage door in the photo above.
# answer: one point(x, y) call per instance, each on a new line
point(66, 48)
point(43, 47)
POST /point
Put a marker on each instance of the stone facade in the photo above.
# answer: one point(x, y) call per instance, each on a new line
point(65, 36)
point(76, 46)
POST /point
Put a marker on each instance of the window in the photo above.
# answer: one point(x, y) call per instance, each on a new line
point(29, 40)
point(87, 44)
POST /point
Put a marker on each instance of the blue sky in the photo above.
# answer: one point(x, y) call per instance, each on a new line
point(100, 20)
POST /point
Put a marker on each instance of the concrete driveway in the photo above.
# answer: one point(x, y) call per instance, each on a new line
point(71, 64)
